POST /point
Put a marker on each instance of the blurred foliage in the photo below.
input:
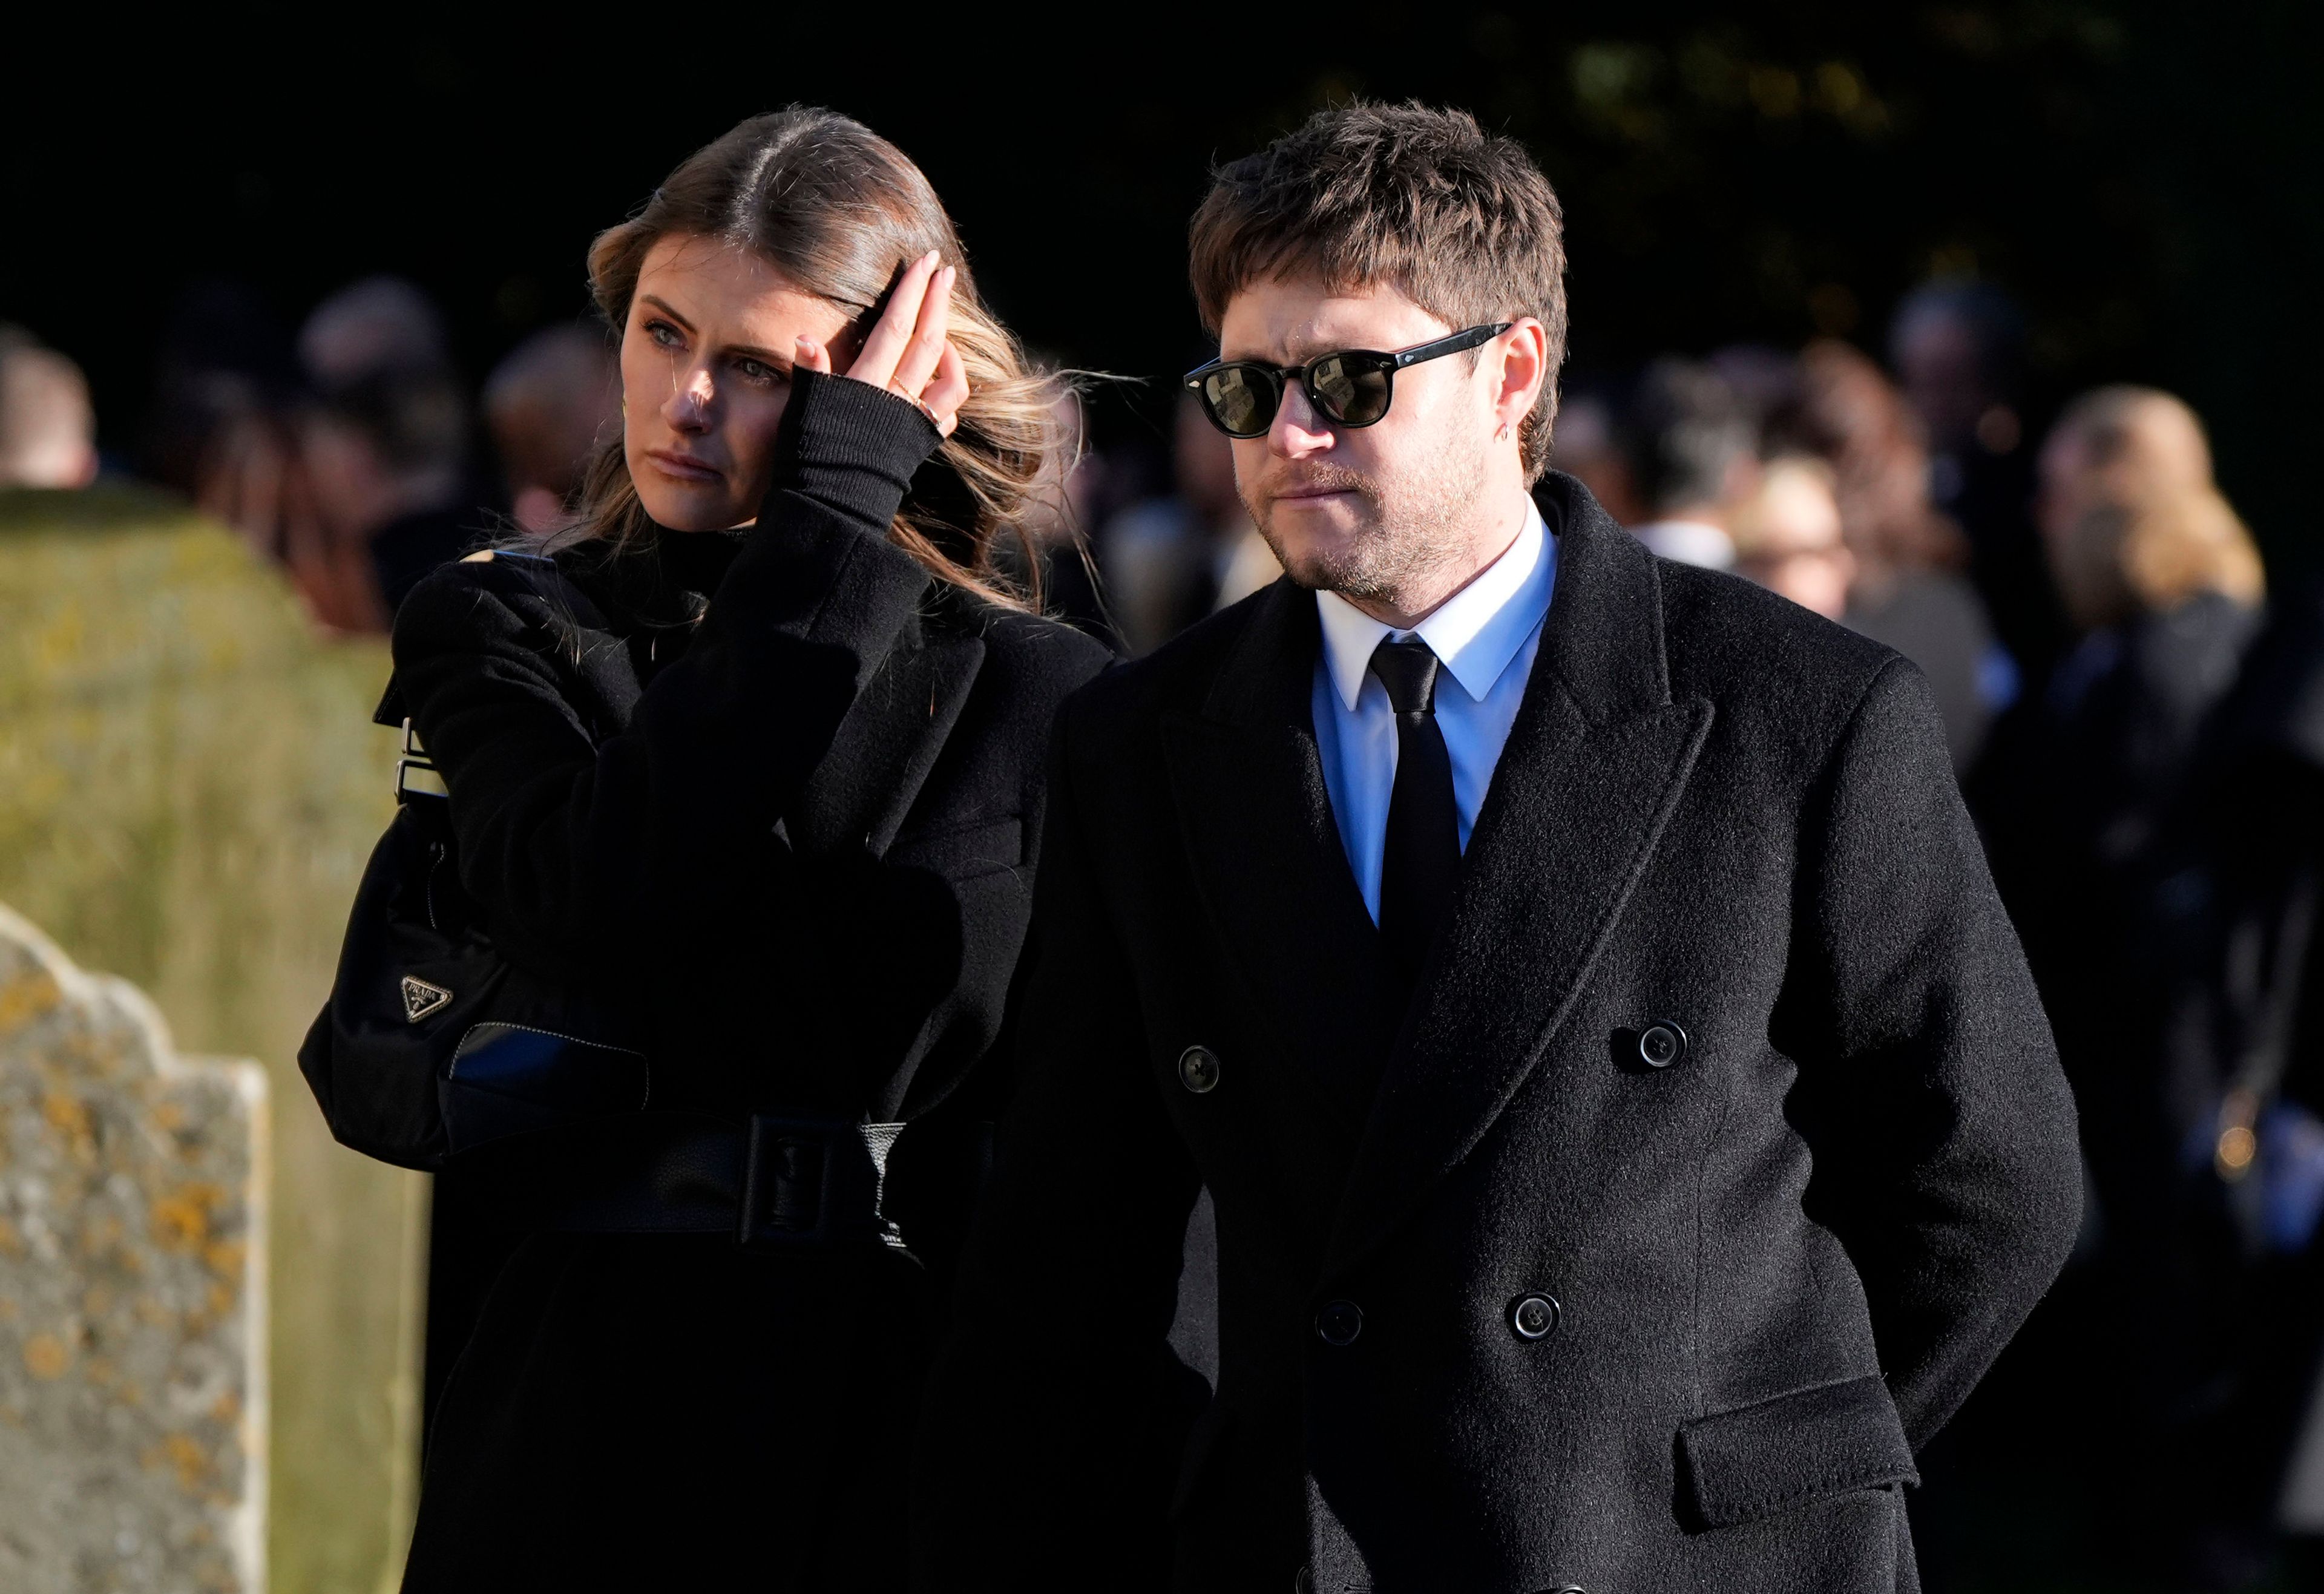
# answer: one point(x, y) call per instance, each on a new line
point(189, 785)
point(2139, 171)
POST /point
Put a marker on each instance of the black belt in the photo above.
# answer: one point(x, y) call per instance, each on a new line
point(773, 1183)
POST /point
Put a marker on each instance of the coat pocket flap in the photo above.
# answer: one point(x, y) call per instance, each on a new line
point(1759, 1459)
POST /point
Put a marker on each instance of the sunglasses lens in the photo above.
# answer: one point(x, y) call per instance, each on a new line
point(1351, 388)
point(1240, 401)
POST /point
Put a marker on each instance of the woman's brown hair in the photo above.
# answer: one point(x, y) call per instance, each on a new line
point(837, 210)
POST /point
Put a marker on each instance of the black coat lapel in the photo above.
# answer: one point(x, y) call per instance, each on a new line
point(886, 744)
point(1593, 769)
point(1267, 858)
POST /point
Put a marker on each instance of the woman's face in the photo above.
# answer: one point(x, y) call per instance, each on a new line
point(705, 373)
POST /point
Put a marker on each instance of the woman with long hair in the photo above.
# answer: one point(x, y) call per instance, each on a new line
point(770, 788)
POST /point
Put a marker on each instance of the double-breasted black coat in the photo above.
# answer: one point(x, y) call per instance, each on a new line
point(1715, 1157)
point(792, 833)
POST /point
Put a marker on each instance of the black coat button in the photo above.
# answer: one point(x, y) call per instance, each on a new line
point(1339, 1323)
point(1198, 1070)
point(1532, 1316)
point(1661, 1043)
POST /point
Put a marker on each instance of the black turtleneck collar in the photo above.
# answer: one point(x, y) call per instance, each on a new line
point(696, 561)
point(664, 584)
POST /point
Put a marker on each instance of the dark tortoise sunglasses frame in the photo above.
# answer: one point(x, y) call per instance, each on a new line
point(1260, 377)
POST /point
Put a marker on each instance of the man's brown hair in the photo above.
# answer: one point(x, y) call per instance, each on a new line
point(1462, 222)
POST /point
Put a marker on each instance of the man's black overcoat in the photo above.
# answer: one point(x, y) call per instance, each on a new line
point(1779, 1261)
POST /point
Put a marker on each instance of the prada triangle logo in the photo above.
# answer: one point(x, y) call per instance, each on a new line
point(422, 999)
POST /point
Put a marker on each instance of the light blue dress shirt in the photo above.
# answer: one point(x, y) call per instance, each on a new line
point(1486, 635)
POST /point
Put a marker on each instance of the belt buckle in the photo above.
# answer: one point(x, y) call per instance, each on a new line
point(787, 1170)
point(814, 1181)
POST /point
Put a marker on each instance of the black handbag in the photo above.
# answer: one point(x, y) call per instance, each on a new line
point(433, 1041)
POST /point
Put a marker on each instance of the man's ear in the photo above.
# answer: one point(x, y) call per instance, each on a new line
point(1523, 351)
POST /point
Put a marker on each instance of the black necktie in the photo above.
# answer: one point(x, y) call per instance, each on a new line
point(1422, 860)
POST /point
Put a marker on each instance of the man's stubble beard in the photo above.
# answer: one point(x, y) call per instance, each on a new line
point(1403, 541)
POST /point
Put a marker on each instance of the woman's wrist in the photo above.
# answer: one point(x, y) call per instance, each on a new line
point(851, 446)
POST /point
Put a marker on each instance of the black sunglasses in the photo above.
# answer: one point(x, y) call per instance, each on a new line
point(1351, 388)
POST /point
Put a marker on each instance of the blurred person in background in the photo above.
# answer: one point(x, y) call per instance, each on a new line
point(1787, 535)
point(224, 360)
point(1170, 561)
point(2084, 820)
point(222, 428)
point(548, 405)
point(1907, 591)
point(48, 429)
point(1694, 456)
point(2162, 585)
point(1592, 447)
point(384, 439)
point(1958, 347)
point(2242, 1104)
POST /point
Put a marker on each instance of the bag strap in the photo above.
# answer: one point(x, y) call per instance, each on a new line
point(415, 774)
point(561, 589)
point(2269, 1013)
point(550, 582)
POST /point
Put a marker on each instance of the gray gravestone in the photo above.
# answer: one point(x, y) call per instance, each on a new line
point(133, 1302)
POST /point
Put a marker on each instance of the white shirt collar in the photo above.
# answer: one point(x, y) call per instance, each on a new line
point(1476, 632)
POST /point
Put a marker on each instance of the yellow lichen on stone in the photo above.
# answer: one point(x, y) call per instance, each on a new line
point(181, 1218)
point(45, 1357)
point(24, 1001)
point(186, 1457)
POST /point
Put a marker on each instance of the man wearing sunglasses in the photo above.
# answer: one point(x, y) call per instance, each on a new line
point(1631, 1126)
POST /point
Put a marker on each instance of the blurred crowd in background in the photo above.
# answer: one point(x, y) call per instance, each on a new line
point(2137, 718)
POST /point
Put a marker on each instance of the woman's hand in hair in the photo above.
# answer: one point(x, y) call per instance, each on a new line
point(908, 353)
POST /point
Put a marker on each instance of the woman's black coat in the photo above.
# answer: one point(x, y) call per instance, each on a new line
point(793, 835)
